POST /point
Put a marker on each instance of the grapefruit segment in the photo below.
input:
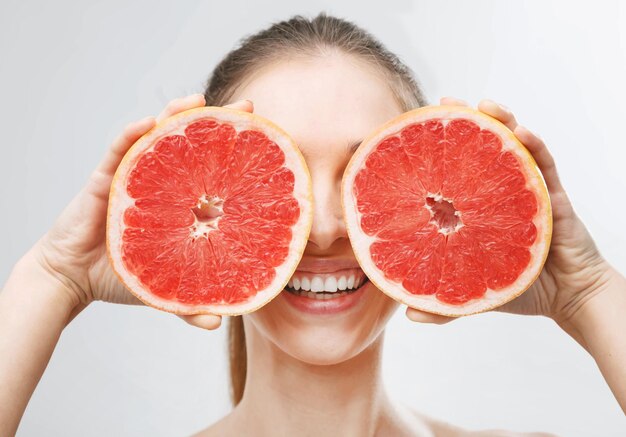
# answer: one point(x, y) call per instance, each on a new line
point(446, 211)
point(209, 212)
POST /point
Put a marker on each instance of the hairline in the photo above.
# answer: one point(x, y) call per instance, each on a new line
point(394, 82)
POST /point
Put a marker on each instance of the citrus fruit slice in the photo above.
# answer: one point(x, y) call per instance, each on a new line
point(209, 212)
point(447, 211)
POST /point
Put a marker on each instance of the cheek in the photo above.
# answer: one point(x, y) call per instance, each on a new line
point(324, 340)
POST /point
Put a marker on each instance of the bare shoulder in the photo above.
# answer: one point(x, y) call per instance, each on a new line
point(440, 428)
point(221, 428)
point(413, 424)
point(504, 433)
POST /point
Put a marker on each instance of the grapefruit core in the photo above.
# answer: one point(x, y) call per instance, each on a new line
point(447, 211)
point(209, 213)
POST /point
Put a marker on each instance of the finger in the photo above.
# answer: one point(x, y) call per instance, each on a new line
point(499, 112)
point(424, 317)
point(204, 321)
point(542, 156)
point(453, 101)
point(241, 105)
point(131, 133)
point(181, 104)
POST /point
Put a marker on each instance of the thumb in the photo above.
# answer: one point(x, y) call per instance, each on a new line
point(204, 321)
point(424, 317)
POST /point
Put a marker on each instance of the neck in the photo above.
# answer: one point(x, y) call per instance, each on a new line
point(285, 396)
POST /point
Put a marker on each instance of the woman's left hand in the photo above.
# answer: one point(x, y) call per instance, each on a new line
point(574, 271)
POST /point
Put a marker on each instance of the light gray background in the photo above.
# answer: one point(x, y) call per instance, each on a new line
point(73, 73)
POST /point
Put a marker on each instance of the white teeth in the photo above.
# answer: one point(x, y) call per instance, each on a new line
point(326, 284)
point(342, 283)
point(317, 284)
point(306, 284)
point(350, 283)
point(330, 284)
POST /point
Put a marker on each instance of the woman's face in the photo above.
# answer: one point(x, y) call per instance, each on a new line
point(328, 104)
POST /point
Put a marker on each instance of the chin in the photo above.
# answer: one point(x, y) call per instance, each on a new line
point(322, 346)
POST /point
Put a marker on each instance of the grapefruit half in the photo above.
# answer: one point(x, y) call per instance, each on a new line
point(209, 212)
point(447, 211)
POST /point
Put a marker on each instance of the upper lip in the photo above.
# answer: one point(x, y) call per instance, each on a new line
point(326, 265)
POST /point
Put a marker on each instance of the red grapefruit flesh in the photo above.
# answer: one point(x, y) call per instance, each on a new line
point(447, 211)
point(209, 212)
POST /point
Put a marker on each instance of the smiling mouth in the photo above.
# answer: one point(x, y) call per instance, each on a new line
point(325, 286)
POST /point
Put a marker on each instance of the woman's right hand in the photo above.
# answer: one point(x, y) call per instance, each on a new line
point(74, 252)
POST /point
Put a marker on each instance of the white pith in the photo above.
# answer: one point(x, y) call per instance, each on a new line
point(443, 231)
point(202, 228)
point(361, 241)
point(327, 282)
point(119, 201)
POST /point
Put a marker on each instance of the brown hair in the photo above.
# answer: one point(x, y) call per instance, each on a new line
point(300, 36)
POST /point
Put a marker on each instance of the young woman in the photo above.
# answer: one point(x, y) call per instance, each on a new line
point(294, 372)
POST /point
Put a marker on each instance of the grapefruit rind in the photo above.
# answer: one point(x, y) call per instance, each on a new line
point(119, 201)
point(534, 182)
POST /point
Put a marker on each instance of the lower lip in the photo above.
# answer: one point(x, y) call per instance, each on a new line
point(325, 306)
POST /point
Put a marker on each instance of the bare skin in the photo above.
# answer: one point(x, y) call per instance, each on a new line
point(302, 380)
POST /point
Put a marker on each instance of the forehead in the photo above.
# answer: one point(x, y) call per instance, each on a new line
point(325, 98)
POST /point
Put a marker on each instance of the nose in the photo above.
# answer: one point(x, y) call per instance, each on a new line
point(328, 224)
